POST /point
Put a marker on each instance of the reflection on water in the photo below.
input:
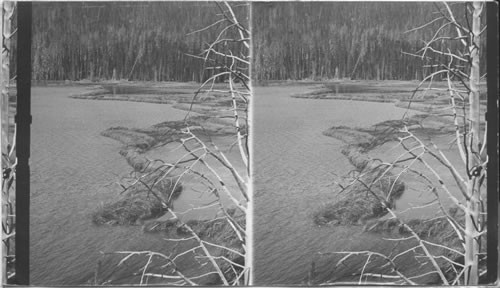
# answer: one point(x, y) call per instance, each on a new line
point(117, 89)
point(294, 170)
point(348, 88)
point(120, 89)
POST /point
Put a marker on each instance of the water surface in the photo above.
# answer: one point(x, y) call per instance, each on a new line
point(73, 171)
point(295, 165)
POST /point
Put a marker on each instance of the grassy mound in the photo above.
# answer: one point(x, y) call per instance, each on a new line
point(349, 135)
point(137, 205)
point(386, 131)
point(136, 160)
point(142, 139)
point(170, 131)
point(367, 198)
point(422, 125)
point(361, 203)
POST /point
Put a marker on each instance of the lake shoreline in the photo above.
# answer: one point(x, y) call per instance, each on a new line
point(363, 148)
point(135, 207)
point(403, 94)
point(360, 142)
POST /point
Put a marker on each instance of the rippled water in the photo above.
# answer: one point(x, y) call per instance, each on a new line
point(74, 167)
point(294, 168)
point(73, 170)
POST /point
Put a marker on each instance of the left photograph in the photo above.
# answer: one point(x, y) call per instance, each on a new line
point(139, 159)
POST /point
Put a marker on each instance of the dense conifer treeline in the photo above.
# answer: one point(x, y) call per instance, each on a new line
point(125, 40)
point(358, 40)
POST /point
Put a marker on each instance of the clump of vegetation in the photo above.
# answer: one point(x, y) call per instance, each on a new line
point(138, 204)
point(136, 160)
point(373, 190)
point(386, 131)
point(349, 135)
point(166, 132)
point(362, 202)
point(142, 139)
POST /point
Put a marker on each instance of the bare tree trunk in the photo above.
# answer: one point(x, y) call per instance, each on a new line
point(473, 205)
point(355, 66)
point(5, 28)
point(133, 66)
point(464, 90)
point(4, 109)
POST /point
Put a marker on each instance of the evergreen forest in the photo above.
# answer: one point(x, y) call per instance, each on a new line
point(355, 40)
point(153, 41)
point(147, 41)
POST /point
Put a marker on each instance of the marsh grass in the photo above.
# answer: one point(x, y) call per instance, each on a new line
point(137, 205)
point(360, 203)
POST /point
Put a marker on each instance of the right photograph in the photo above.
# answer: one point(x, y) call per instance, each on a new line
point(369, 143)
